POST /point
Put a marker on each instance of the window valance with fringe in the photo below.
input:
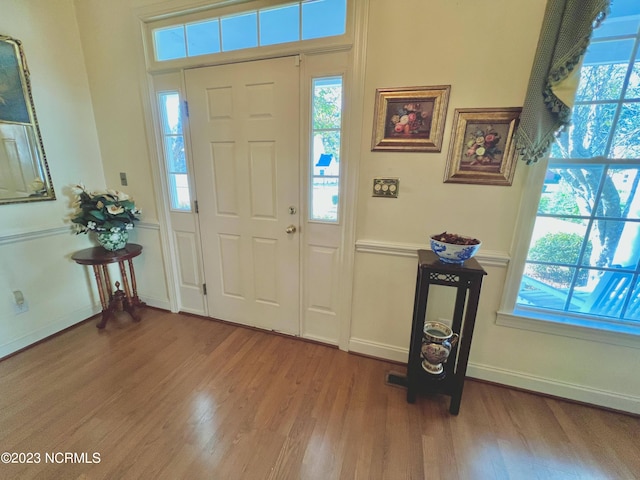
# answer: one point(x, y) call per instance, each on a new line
point(564, 38)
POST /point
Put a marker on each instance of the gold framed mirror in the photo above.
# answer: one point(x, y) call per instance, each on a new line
point(24, 173)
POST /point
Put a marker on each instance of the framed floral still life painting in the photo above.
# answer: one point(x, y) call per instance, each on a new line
point(482, 150)
point(410, 119)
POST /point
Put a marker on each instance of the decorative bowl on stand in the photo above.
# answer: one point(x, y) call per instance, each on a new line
point(454, 248)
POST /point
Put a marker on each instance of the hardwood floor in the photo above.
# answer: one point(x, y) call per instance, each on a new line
point(180, 397)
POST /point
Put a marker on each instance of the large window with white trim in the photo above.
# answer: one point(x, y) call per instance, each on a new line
point(584, 255)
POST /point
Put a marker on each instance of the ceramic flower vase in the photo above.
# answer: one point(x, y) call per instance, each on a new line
point(437, 341)
point(113, 241)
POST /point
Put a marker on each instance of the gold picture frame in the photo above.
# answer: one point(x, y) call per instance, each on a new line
point(482, 150)
point(410, 119)
point(24, 172)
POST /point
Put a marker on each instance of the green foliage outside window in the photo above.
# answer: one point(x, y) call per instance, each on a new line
point(327, 112)
point(559, 248)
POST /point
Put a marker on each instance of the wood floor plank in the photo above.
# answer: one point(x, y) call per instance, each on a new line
point(179, 396)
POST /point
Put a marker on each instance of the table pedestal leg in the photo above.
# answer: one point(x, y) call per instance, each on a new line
point(129, 306)
point(107, 307)
point(134, 298)
point(107, 281)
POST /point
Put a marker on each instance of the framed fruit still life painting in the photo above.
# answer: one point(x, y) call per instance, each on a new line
point(410, 119)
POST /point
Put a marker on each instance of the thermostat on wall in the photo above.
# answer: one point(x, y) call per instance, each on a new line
point(386, 187)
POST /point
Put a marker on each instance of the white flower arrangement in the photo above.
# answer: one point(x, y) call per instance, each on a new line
point(109, 211)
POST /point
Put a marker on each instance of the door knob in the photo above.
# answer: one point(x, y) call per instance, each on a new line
point(291, 229)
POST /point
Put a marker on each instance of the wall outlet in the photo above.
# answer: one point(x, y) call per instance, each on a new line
point(22, 308)
point(20, 305)
point(386, 187)
point(123, 179)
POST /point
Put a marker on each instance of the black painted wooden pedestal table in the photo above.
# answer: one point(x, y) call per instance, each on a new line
point(467, 279)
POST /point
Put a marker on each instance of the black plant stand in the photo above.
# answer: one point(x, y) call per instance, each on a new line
point(467, 278)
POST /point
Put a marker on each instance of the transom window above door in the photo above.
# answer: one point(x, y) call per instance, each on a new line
point(290, 22)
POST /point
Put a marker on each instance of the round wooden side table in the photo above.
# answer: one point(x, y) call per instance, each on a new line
point(117, 300)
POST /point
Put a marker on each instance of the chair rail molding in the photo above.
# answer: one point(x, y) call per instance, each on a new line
point(148, 225)
point(34, 234)
point(6, 239)
point(486, 257)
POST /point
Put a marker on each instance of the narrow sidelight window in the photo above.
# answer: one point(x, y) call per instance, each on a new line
point(173, 149)
point(325, 148)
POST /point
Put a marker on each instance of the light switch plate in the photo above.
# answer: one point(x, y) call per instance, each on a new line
point(123, 179)
point(386, 187)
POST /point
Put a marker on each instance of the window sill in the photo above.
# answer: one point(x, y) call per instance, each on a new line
point(571, 326)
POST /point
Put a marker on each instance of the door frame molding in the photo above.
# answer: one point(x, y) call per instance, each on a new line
point(358, 19)
point(351, 176)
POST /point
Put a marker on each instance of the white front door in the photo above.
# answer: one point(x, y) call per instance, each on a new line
point(244, 123)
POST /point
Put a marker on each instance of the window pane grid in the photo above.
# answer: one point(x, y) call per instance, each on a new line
point(288, 22)
point(174, 152)
point(320, 130)
point(326, 121)
point(239, 31)
point(574, 265)
point(279, 24)
point(631, 319)
point(579, 217)
point(203, 38)
point(584, 256)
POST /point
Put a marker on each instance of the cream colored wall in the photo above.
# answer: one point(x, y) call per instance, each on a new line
point(35, 241)
point(51, 43)
point(485, 53)
point(110, 40)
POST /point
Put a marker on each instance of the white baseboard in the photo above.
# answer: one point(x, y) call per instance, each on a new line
point(319, 339)
point(58, 325)
point(161, 303)
point(571, 391)
point(193, 311)
point(509, 378)
point(66, 321)
point(378, 350)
